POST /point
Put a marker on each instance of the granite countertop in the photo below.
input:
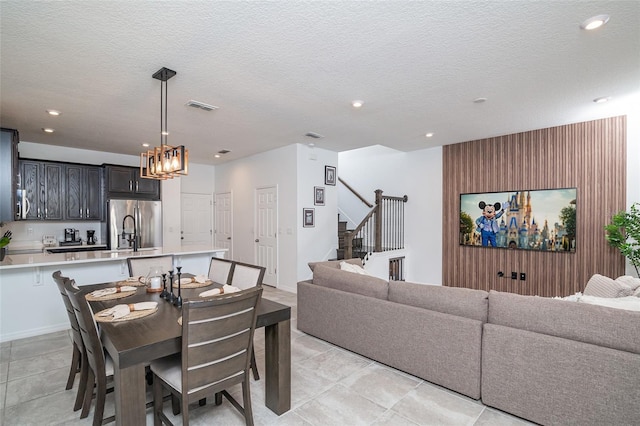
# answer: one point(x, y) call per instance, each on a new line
point(28, 260)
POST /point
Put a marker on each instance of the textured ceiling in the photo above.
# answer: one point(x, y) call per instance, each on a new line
point(278, 70)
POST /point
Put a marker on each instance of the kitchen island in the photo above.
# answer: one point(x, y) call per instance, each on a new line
point(30, 303)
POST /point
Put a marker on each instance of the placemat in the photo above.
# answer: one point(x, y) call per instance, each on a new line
point(137, 283)
point(129, 316)
point(111, 296)
point(193, 284)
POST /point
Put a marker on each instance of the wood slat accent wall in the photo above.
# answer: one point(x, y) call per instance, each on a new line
point(590, 156)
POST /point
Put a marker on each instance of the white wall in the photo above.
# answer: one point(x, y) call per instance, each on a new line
point(242, 177)
point(60, 153)
point(417, 174)
point(200, 180)
point(320, 241)
point(633, 165)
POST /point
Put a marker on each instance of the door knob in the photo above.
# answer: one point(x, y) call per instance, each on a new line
point(228, 238)
point(257, 240)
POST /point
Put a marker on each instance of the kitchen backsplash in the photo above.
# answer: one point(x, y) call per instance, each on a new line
point(28, 234)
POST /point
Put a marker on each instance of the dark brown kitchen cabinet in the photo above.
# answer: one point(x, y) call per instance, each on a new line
point(83, 192)
point(43, 185)
point(9, 172)
point(125, 182)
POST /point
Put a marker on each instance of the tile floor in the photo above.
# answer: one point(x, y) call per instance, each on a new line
point(330, 386)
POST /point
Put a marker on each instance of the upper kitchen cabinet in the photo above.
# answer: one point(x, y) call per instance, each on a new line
point(43, 187)
point(9, 140)
point(125, 182)
point(83, 192)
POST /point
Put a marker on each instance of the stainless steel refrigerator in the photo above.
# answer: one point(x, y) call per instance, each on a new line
point(134, 218)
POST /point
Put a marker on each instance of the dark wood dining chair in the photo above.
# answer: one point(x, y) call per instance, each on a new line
point(139, 266)
point(244, 276)
point(99, 365)
point(220, 270)
point(217, 338)
point(77, 366)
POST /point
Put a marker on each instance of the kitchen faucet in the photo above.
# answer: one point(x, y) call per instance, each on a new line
point(135, 236)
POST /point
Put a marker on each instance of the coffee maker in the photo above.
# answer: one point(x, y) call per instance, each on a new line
point(91, 238)
point(69, 235)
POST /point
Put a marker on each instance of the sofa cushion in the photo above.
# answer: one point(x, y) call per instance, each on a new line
point(337, 279)
point(598, 325)
point(601, 286)
point(335, 263)
point(462, 302)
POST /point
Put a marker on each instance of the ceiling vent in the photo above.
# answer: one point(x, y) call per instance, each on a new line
point(201, 105)
point(314, 135)
point(224, 151)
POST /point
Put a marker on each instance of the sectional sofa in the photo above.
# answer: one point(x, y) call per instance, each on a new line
point(548, 361)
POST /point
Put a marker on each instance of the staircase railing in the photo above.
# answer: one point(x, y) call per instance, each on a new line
point(381, 229)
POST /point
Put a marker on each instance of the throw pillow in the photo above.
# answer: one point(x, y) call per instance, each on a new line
point(356, 269)
point(632, 282)
point(601, 286)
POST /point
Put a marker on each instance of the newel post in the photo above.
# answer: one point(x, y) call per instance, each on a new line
point(378, 221)
point(348, 245)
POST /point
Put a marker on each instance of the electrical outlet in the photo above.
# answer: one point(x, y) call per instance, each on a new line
point(29, 231)
point(523, 276)
point(514, 275)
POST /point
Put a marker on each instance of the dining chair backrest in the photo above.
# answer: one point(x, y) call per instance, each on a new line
point(88, 329)
point(220, 270)
point(75, 328)
point(246, 276)
point(77, 366)
point(139, 266)
point(217, 338)
point(98, 365)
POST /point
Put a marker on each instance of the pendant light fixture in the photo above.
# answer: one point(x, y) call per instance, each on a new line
point(165, 161)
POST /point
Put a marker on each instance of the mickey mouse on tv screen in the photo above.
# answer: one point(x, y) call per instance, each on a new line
point(488, 223)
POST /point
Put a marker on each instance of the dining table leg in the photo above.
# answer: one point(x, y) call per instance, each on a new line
point(278, 366)
point(129, 394)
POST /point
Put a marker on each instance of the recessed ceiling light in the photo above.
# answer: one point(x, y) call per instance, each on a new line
point(594, 22)
point(428, 135)
point(53, 112)
point(479, 100)
point(357, 104)
point(216, 156)
point(146, 145)
point(602, 99)
point(47, 130)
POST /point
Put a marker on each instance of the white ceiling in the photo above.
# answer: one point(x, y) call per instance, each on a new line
point(280, 69)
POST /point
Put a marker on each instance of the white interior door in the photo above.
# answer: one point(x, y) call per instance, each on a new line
point(196, 219)
point(266, 232)
point(224, 222)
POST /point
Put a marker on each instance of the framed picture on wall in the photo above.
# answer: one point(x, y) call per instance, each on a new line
point(329, 175)
point(308, 218)
point(318, 195)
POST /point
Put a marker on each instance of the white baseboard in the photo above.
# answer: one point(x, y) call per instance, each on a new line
point(34, 332)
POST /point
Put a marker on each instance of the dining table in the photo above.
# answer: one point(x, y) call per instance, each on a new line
point(134, 343)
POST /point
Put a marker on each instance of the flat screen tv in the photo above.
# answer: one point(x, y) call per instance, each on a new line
point(543, 220)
